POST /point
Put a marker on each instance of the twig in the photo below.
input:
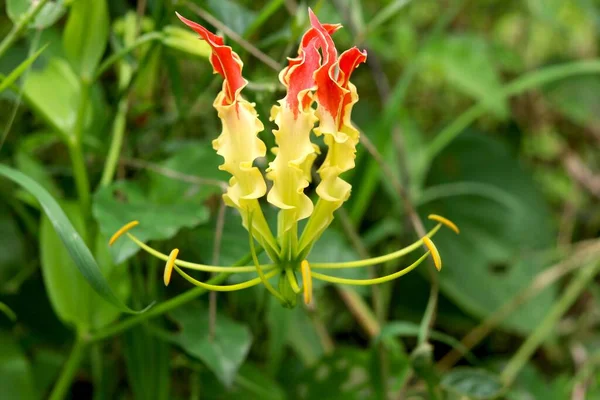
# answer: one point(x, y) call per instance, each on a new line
point(581, 173)
point(171, 173)
point(212, 298)
point(543, 330)
point(249, 47)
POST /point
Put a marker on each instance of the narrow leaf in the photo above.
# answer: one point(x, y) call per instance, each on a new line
point(75, 245)
point(21, 68)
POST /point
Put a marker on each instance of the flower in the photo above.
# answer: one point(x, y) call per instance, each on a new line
point(319, 100)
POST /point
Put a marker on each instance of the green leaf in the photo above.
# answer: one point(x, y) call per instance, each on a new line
point(185, 41)
point(223, 354)
point(16, 379)
point(343, 374)
point(466, 63)
point(73, 300)
point(147, 361)
point(472, 383)
point(503, 221)
point(11, 262)
point(232, 14)
point(48, 15)
point(17, 72)
point(75, 245)
point(251, 383)
point(53, 93)
point(122, 202)
point(86, 35)
point(576, 98)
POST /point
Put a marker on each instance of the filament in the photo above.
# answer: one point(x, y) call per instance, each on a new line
point(225, 288)
point(374, 281)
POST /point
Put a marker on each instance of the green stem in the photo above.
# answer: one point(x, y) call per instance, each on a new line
point(543, 330)
point(155, 311)
point(69, 370)
point(526, 82)
point(19, 26)
point(163, 307)
point(149, 37)
point(81, 177)
point(118, 132)
point(76, 150)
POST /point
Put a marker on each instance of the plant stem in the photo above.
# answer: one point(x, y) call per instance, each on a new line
point(81, 178)
point(156, 310)
point(571, 293)
point(75, 144)
point(118, 132)
point(19, 26)
point(69, 370)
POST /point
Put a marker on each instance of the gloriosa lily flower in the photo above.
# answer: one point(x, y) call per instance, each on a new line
point(318, 92)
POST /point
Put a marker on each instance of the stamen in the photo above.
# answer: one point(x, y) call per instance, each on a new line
point(374, 281)
point(444, 221)
point(225, 288)
point(194, 266)
point(292, 279)
point(377, 260)
point(306, 282)
point(261, 275)
point(437, 260)
point(121, 231)
point(169, 266)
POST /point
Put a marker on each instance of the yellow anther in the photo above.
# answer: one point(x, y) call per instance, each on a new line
point(121, 231)
point(169, 266)
point(444, 221)
point(437, 260)
point(307, 281)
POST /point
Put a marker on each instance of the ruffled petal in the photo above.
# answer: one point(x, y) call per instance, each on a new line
point(238, 143)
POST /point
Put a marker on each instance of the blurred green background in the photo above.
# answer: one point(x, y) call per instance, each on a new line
point(484, 111)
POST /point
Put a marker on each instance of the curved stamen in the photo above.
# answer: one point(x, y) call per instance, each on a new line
point(445, 221)
point(194, 266)
point(169, 266)
point(261, 275)
point(306, 282)
point(292, 279)
point(377, 260)
point(121, 231)
point(374, 281)
point(225, 288)
point(437, 260)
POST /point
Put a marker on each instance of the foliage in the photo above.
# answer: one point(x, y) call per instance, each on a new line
point(486, 112)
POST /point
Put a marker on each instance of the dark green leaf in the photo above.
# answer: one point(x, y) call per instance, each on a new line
point(577, 98)
point(343, 374)
point(473, 383)
point(16, 379)
point(75, 245)
point(466, 63)
point(122, 202)
point(501, 223)
point(222, 354)
point(147, 361)
point(86, 35)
